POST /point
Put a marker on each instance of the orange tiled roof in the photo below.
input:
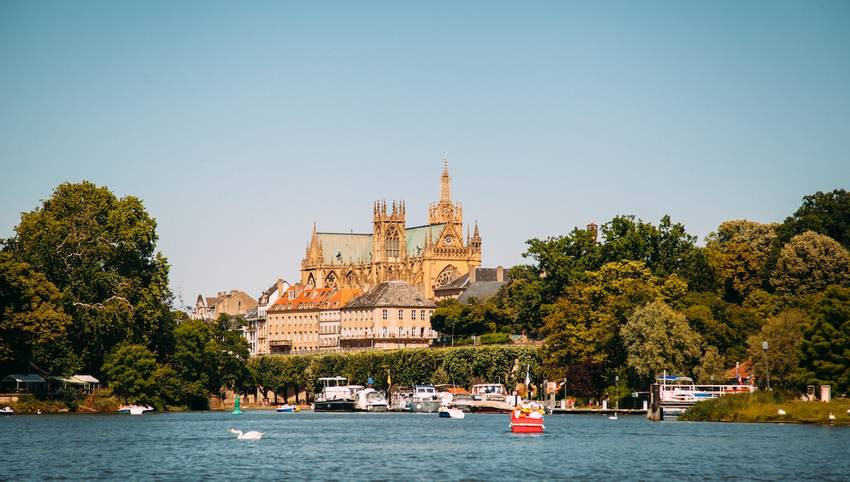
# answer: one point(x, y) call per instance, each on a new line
point(341, 297)
point(304, 298)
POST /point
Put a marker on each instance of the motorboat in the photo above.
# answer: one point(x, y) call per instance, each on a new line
point(7, 411)
point(287, 408)
point(527, 418)
point(370, 400)
point(486, 398)
point(677, 393)
point(336, 395)
point(424, 400)
point(135, 409)
point(448, 412)
point(399, 397)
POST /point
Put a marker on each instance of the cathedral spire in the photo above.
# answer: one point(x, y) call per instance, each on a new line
point(445, 181)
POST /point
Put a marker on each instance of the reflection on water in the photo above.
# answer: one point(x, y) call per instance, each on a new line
point(412, 447)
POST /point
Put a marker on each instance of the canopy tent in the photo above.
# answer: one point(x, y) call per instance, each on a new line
point(30, 381)
point(91, 382)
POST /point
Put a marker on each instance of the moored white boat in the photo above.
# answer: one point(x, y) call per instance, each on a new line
point(448, 412)
point(370, 400)
point(487, 398)
point(287, 408)
point(135, 409)
point(424, 399)
point(7, 411)
point(336, 396)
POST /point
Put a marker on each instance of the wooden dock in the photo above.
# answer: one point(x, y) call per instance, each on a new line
point(598, 411)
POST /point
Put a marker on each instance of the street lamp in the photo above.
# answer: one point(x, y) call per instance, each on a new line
point(766, 368)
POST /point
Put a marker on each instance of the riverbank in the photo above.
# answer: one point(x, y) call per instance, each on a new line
point(765, 407)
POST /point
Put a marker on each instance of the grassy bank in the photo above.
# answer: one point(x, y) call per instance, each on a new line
point(765, 406)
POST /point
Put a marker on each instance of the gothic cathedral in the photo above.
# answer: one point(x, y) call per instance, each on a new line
point(428, 256)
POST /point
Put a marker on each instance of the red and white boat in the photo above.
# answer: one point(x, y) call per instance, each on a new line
point(527, 418)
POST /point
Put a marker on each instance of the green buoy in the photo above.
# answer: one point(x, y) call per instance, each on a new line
point(236, 410)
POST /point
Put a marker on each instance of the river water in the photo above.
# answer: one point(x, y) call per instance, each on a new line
point(396, 446)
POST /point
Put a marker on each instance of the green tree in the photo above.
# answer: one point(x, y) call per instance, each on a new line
point(784, 333)
point(584, 324)
point(825, 213)
point(738, 253)
point(824, 354)
point(33, 324)
point(658, 338)
point(712, 367)
point(130, 371)
point(808, 263)
point(210, 359)
point(99, 251)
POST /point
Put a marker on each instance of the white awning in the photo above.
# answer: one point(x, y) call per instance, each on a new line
point(86, 378)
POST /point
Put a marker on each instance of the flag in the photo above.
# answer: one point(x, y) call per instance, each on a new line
point(389, 379)
point(527, 378)
point(738, 372)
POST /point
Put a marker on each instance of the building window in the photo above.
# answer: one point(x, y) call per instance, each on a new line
point(400, 332)
point(412, 314)
point(400, 314)
point(391, 246)
point(384, 314)
point(422, 314)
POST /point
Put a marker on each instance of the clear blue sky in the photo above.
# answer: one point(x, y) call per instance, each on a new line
point(240, 123)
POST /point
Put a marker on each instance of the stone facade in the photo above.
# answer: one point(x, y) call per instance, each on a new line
point(427, 256)
point(233, 303)
point(394, 314)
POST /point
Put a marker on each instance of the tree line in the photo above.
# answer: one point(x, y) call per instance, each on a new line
point(460, 366)
point(647, 297)
point(83, 289)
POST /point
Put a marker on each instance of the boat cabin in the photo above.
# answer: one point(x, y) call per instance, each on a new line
point(424, 392)
point(336, 388)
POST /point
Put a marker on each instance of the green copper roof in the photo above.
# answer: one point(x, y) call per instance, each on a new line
point(415, 238)
point(346, 248)
point(352, 248)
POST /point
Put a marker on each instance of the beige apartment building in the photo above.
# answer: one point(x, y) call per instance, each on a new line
point(293, 320)
point(394, 314)
point(330, 317)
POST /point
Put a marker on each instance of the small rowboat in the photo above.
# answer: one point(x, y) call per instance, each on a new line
point(527, 420)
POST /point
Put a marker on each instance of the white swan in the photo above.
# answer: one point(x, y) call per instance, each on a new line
point(780, 412)
point(252, 435)
point(612, 417)
point(831, 417)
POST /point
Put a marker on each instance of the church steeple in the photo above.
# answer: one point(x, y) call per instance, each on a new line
point(445, 182)
point(445, 211)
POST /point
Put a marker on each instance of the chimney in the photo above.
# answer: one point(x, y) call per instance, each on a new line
point(500, 274)
point(280, 287)
point(472, 275)
point(593, 230)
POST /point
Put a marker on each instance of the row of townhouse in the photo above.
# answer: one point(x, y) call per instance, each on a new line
point(300, 318)
point(393, 314)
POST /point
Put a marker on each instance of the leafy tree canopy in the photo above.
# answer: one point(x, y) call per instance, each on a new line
point(809, 263)
point(99, 251)
point(33, 324)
